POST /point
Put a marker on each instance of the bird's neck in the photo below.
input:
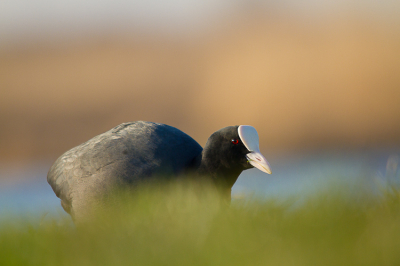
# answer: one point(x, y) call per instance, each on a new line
point(222, 175)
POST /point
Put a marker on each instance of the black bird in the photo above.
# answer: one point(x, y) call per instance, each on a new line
point(137, 151)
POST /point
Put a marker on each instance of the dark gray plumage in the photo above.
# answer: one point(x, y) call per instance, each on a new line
point(137, 151)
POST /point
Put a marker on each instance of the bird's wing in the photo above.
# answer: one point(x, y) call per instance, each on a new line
point(125, 154)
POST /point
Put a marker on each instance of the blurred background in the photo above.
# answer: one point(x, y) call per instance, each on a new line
point(319, 80)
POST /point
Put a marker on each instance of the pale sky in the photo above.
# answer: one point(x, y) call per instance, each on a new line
point(19, 18)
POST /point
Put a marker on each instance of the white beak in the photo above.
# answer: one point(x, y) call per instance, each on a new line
point(249, 137)
point(258, 161)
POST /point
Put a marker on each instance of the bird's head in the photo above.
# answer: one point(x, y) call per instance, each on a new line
point(233, 149)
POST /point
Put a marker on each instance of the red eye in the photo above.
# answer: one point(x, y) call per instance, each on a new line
point(235, 141)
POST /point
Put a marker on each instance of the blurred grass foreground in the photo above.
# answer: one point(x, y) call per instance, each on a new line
point(180, 224)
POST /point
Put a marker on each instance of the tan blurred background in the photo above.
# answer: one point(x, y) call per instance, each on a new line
point(306, 77)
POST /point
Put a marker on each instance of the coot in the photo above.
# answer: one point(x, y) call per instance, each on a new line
point(133, 152)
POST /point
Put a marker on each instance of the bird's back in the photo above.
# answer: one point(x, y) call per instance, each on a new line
point(122, 156)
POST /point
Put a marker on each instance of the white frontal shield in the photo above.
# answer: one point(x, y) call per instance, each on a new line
point(249, 137)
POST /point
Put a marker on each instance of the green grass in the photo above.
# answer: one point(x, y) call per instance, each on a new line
point(178, 224)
